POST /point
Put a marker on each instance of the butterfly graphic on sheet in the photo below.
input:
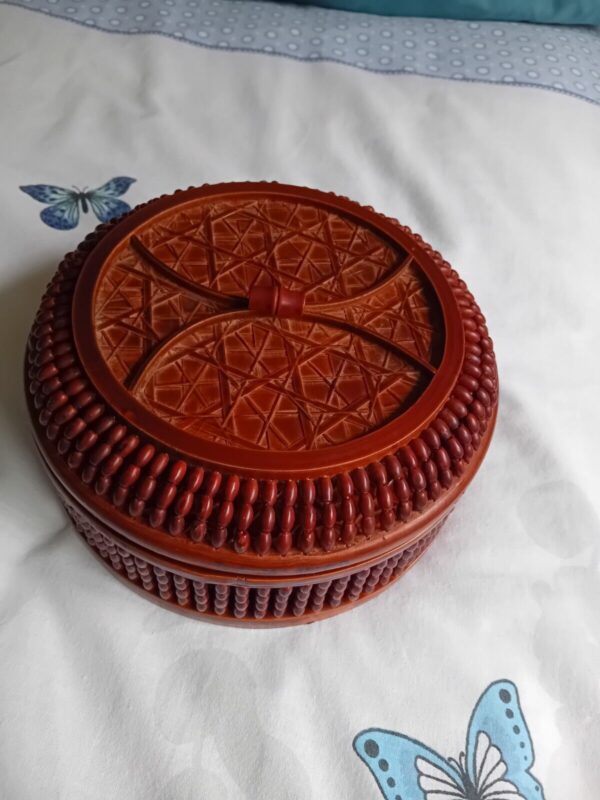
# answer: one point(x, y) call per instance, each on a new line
point(495, 764)
point(62, 212)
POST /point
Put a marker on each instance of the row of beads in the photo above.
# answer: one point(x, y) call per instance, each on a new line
point(244, 602)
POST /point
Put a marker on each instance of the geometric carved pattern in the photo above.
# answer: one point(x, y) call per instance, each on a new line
point(136, 309)
point(233, 244)
point(405, 313)
point(277, 384)
point(367, 347)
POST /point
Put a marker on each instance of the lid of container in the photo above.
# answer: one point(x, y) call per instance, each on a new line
point(268, 354)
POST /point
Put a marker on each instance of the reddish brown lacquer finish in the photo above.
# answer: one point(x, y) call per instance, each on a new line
point(259, 402)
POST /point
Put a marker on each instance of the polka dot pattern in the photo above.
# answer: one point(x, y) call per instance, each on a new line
point(566, 59)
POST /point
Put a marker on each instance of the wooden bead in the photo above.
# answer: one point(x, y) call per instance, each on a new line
point(402, 489)
point(337, 591)
point(393, 466)
point(454, 449)
point(319, 593)
point(290, 493)
point(242, 542)
point(269, 492)
point(261, 602)
point(377, 472)
point(287, 518)
point(449, 418)
point(473, 370)
point(420, 499)
point(408, 458)
point(421, 450)
point(281, 601)
point(283, 542)
point(300, 600)
point(442, 429)
point(417, 479)
point(469, 382)
point(345, 484)
point(478, 409)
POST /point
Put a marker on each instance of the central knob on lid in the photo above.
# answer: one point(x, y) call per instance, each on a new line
point(276, 301)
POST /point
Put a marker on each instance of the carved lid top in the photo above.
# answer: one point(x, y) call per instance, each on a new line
point(176, 322)
point(275, 337)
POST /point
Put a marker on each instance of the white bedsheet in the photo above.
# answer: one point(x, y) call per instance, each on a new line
point(103, 695)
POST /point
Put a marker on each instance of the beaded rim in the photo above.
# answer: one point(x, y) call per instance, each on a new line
point(246, 604)
point(187, 508)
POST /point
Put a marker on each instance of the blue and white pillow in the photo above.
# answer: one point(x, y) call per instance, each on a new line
point(566, 12)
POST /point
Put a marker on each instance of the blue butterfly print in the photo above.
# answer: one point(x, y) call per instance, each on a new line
point(494, 766)
point(63, 204)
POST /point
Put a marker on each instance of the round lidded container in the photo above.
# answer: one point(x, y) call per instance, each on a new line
point(258, 402)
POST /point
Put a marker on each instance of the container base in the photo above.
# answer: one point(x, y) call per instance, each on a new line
point(240, 604)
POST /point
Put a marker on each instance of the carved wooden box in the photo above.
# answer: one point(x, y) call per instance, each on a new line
point(259, 402)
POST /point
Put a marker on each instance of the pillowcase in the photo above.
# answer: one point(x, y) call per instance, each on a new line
point(567, 12)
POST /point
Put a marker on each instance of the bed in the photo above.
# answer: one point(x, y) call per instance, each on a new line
point(482, 136)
